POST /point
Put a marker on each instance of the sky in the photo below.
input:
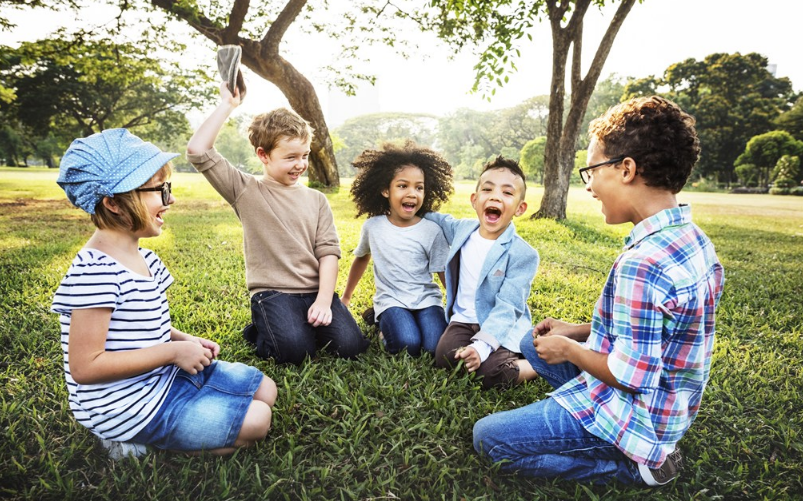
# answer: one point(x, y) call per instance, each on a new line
point(656, 34)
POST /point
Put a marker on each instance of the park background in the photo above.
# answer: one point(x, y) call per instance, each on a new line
point(393, 427)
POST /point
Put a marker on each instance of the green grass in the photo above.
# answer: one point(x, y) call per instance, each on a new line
point(394, 427)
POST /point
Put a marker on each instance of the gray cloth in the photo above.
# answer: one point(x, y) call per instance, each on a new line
point(404, 261)
point(228, 64)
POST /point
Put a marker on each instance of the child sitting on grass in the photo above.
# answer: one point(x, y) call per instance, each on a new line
point(133, 378)
point(629, 384)
point(489, 275)
point(395, 185)
point(290, 242)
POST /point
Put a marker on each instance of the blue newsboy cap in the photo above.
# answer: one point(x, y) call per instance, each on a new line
point(109, 162)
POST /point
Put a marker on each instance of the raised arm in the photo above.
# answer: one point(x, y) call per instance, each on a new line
point(204, 138)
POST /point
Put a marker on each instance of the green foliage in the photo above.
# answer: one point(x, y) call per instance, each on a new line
point(394, 427)
point(370, 131)
point(465, 136)
point(77, 84)
point(765, 151)
point(608, 92)
point(532, 158)
point(733, 97)
point(792, 120)
point(747, 174)
point(233, 143)
point(786, 173)
point(580, 161)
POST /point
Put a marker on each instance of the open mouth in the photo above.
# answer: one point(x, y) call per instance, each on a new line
point(159, 217)
point(409, 206)
point(492, 214)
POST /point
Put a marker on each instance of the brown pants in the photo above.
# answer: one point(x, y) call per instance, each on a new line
point(498, 371)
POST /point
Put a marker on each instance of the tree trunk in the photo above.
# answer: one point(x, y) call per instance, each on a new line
point(559, 151)
point(302, 98)
point(262, 57)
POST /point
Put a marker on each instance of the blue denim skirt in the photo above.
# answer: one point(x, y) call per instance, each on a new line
point(204, 410)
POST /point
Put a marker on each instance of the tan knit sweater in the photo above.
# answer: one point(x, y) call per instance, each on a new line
point(286, 229)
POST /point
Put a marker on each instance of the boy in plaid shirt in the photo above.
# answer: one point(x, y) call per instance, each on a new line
point(629, 384)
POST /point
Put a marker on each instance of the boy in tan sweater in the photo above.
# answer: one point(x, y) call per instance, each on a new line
point(290, 242)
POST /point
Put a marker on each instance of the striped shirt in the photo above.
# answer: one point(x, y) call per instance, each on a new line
point(118, 410)
point(655, 320)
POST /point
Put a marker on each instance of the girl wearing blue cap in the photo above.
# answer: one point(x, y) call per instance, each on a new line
point(133, 378)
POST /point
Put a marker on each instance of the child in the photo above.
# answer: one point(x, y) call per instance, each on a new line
point(488, 278)
point(291, 246)
point(134, 379)
point(395, 186)
point(627, 395)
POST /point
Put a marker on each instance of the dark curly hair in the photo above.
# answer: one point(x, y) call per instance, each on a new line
point(376, 169)
point(654, 132)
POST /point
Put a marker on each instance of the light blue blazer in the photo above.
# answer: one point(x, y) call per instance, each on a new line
point(505, 281)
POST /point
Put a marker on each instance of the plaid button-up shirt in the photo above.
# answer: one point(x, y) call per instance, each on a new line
point(655, 320)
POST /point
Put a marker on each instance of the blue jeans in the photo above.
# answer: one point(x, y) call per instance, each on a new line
point(412, 329)
point(204, 410)
point(280, 329)
point(544, 440)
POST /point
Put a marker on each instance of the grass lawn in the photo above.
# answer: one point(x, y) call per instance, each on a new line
point(393, 427)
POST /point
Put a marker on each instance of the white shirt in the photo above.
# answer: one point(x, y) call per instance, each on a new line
point(472, 257)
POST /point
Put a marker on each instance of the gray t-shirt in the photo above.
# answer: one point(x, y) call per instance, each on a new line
point(404, 261)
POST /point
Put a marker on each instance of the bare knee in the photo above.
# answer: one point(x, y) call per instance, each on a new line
point(256, 423)
point(267, 391)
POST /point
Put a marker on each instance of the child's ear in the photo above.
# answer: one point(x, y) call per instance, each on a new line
point(262, 155)
point(629, 169)
point(521, 209)
point(473, 198)
point(386, 193)
point(111, 205)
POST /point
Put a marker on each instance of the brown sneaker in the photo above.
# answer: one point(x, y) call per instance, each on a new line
point(656, 477)
point(368, 316)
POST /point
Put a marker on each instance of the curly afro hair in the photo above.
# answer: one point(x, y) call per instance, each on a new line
point(376, 169)
point(654, 132)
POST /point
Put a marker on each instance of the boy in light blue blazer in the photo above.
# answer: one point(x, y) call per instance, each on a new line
point(489, 275)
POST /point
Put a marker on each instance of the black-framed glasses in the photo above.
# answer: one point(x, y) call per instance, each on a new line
point(585, 177)
point(166, 189)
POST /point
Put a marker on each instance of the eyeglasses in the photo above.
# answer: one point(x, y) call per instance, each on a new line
point(585, 177)
point(165, 188)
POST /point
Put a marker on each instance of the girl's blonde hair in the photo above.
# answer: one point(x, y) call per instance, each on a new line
point(132, 214)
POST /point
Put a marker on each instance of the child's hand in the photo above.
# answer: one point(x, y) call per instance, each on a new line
point(470, 356)
point(320, 313)
point(227, 97)
point(552, 327)
point(554, 349)
point(210, 345)
point(191, 356)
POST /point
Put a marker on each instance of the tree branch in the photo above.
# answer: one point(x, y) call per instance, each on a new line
point(270, 43)
point(236, 18)
point(194, 18)
point(607, 41)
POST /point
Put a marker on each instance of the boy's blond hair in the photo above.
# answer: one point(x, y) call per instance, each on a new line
point(268, 128)
point(132, 214)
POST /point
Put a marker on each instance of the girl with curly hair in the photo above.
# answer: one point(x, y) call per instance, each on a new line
point(395, 186)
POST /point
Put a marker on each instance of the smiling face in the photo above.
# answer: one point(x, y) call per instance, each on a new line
point(287, 161)
point(498, 198)
point(152, 202)
point(405, 195)
point(606, 184)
